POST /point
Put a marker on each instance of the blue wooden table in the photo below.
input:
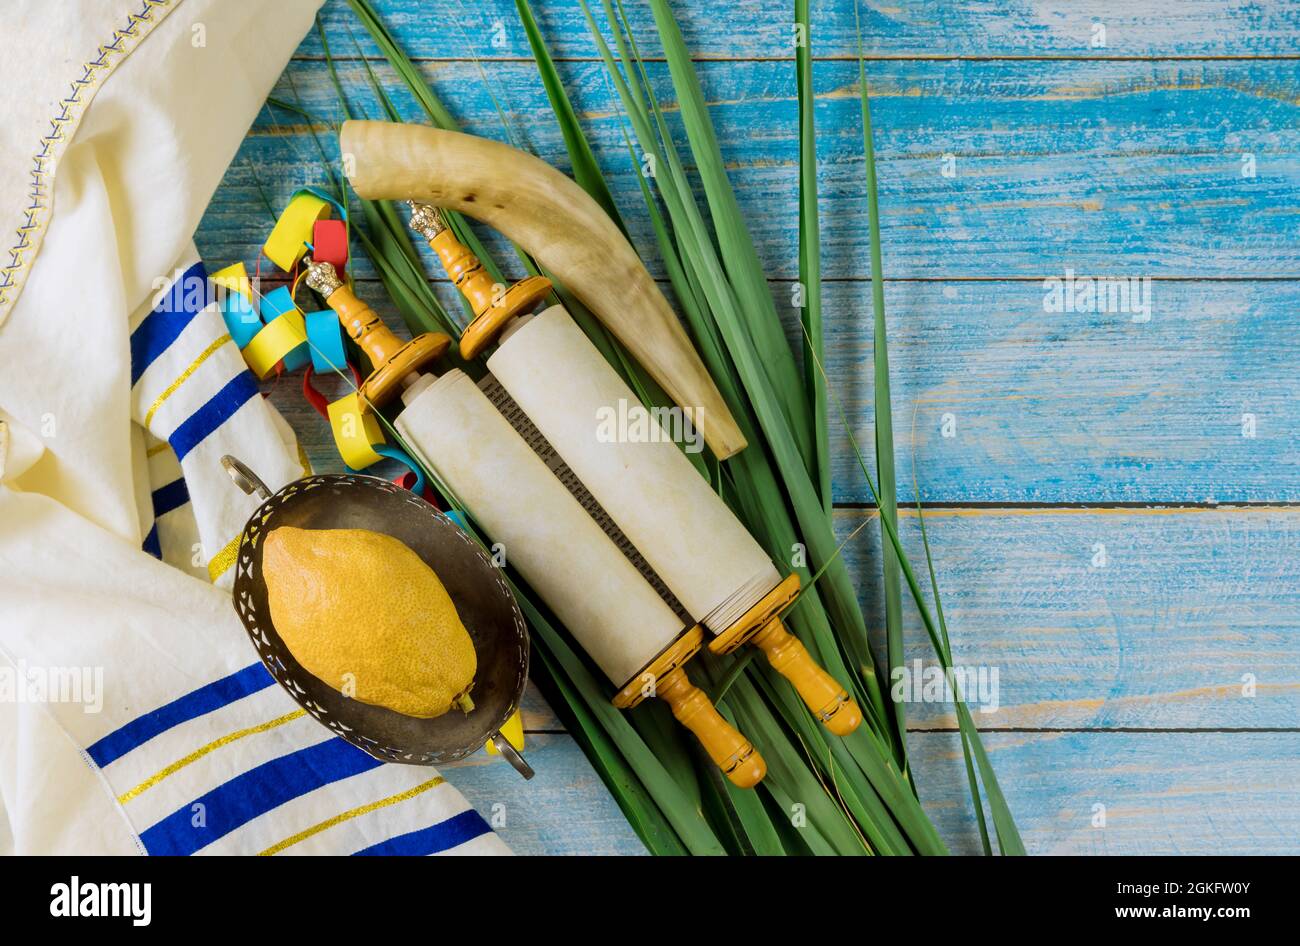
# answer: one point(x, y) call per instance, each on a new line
point(1114, 490)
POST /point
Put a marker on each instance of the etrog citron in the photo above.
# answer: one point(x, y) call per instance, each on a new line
point(366, 615)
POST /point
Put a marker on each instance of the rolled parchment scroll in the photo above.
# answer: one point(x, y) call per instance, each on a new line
point(558, 548)
point(628, 460)
point(612, 610)
point(625, 457)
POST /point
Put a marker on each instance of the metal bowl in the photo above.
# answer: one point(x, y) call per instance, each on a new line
point(483, 600)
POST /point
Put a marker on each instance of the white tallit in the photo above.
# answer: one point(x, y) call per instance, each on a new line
point(134, 716)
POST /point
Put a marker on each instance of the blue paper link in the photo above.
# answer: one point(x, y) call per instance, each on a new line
point(325, 341)
point(274, 304)
point(242, 320)
point(393, 453)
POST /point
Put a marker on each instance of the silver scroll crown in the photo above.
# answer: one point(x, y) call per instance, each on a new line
point(322, 277)
point(426, 220)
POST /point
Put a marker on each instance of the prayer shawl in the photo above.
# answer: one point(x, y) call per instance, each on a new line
point(134, 716)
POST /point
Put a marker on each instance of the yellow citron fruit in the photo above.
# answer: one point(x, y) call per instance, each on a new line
point(366, 615)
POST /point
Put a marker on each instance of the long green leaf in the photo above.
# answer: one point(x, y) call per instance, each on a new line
point(810, 280)
point(883, 414)
point(586, 170)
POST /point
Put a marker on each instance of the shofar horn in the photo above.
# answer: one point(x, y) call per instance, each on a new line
point(561, 226)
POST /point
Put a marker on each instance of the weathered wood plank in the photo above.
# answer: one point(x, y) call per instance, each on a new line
point(1100, 619)
point(538, 715)
point(1131, 168)
point(564, 809)
point(1001, 401)
point(1164, 793)
point(1055, 407)
point(444, 29)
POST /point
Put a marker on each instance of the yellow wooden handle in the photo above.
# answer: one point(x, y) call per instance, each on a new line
point(465, 270)
point(393, 360)
point(493, 304)
point(360, 322)
point(829, 701)
point(731, 751)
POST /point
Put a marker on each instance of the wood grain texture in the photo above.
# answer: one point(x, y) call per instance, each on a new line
point(1151, 619)
point(563, 809)
point(1116, 683)
point(1164, 793)
point(1108, 168)
point(443, 29)
point(1196, 405)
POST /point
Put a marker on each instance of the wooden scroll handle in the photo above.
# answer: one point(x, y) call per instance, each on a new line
point(819, 691)
point(493, 304)
point(762, 627)
point(731, 751)
point(392, 359)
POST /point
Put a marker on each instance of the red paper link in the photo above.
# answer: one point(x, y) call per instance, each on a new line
point(407, 481)
point(315, 398)
point(329, 240)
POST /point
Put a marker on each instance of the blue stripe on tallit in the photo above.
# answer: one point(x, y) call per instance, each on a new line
point(442, 836)
point(169, 497)
point(151, 543)
point(165, 323)
point(192, 705)
point(219, 409)
point(235, 803)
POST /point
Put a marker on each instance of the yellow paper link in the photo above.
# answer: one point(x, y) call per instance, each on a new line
point(349, 815)
point(194, 366)
point(276, 339)
point(355, 432)
point(222, 561)
point(513, 730)
point(199, 753)
point(287, 243)
point(157, 449)
point(235, 279)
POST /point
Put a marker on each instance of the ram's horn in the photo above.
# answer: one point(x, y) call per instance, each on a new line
point(560, 225)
